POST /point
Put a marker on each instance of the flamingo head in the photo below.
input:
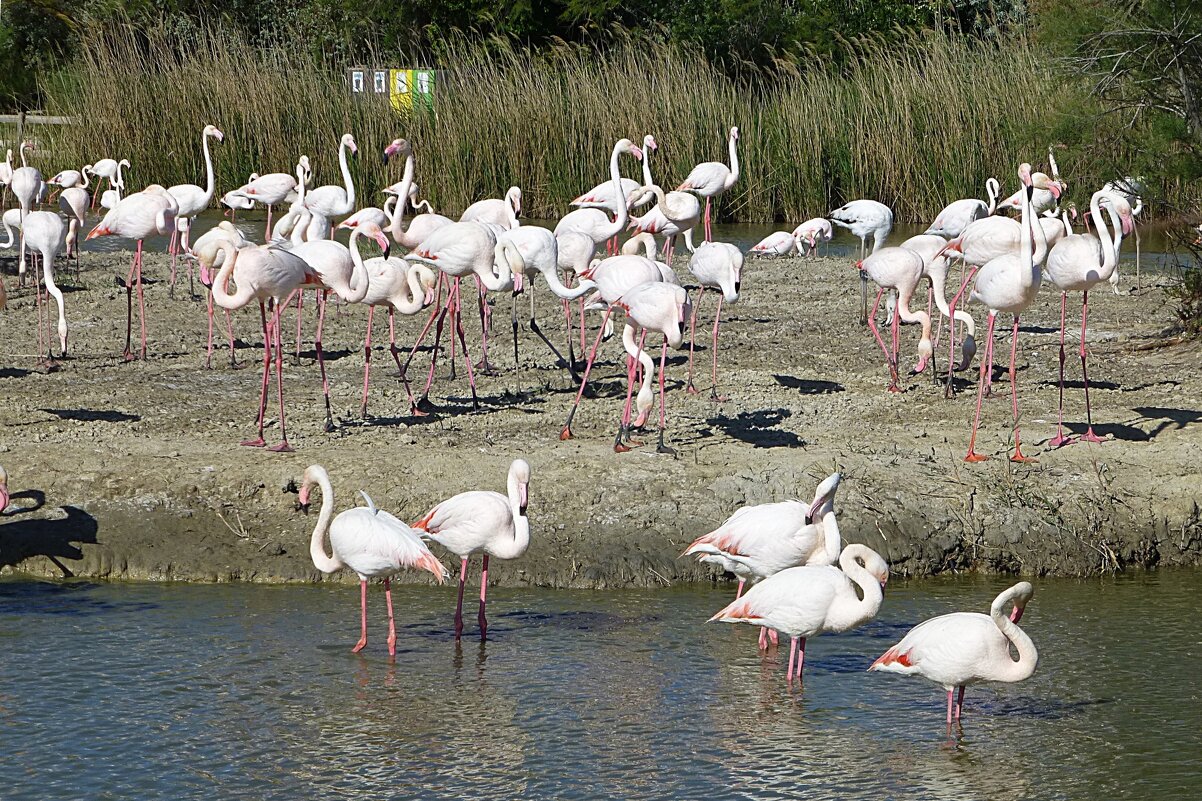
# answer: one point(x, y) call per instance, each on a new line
point(825, 494)
point(1023, 593)
point(1024, 173)
point(519, 474)
point(1041, 181)
point(649, 143)
point(396, 146)
point(99, 230)
point(213, 131)
point(514, 197)
point(374, 231)
point(348, 142)
point(734, 134)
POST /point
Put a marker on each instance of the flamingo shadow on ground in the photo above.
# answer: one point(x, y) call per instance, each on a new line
point(14, 372)
point(1038, 329)
point(1103, 385)
point(758, 428)
point(93, 415)
point(335, 355)
point(1176, 419)
point(37, 496)
point(809, 386)
point(53, 539)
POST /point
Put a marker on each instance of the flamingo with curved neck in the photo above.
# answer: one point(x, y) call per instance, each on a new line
point(332, 200)
point(420, 226)
point(595, 222)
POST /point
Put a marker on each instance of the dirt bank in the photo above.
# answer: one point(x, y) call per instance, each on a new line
point(133, 470)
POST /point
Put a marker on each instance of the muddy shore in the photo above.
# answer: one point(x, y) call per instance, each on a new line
point(133, 470)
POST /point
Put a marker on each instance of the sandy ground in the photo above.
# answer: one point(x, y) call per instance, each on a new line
point(134, 469)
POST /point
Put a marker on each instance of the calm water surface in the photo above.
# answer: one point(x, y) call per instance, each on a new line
point(132, 691)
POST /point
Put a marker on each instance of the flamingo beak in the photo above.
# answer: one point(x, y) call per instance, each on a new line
point(522, 499)
point(636, 152)
point(429, 298)
point(1054, 188)
point(1128, 224)
point(382, 241)
point(1017, 614)
point(95, 232)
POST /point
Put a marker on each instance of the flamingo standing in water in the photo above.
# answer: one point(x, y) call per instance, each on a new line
point(900, 269)
point(483, 522)
point(809, 600)
point(1007, 284)
point(371, 542)
point(964, 648)
point(110, 170)
point(711, 178)
point(1075, 264)
point(760, 541)
point(192, 200)
point(268, 275)
point(147, 213)
point(717, 266)
point(959, 214)
point(865, 218)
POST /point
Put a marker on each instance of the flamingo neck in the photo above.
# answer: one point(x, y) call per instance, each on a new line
point(1109, 247)
point(396, 225)
point(621, 211)
point(647, 165)
point(412, 303)
point(210, 180)
point(317, 548)
point(734, 163)
point(521, 524)
point(359, 280)
point(992, 189)
point(1028, 656)
point(346, 175)
point(848, 612)
point(220, 291)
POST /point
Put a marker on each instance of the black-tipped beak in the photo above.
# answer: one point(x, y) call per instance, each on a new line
point(738, 285)
point(302, 507)
point(386, 156)
point(387, 252)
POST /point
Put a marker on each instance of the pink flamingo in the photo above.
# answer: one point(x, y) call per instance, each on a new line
point(717, 266)
point(811, 232)
point(333, 200)
point(205, 251)
point(270, 276)
point(760, 541)
point(496, 211)
point(602, 195)
point(959, 214)
point(777, 243)
point(271, 190)
point(192, 200)
point(1075, 264)
point(900, 269)
point(675, 213)
point(486, 523)
point(137, 216)
point(711, 178)
point(73, 202)
point(371, 542)
point(420, 226)
point(595, 222)
point(930, 249)
point(1006, 284)
point(43, 233)
point(809, 600)
point(964, 648)
point(109, 169)
point(865, 218)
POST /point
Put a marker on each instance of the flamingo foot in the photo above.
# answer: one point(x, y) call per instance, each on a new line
point(716, 398)
point(692, 390)
point(253, 443)
point(485, 367)
point(973, 456)
point(1089, 436)
point(566, 434)
point(662, 448)
point(1020, 459)
point(416, 412)
point(128, 355)
point(1059, 441)
point(894, 388)
point(283, 447)
point(359, 646)
point(328, 426)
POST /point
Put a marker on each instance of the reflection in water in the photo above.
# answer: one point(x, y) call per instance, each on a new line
point(143, 691)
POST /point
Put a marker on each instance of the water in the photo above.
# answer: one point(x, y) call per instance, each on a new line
point(124, 691)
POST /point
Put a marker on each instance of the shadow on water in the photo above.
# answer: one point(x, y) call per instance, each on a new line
point(61, 598)
point(809, 386)
point(758, 428)
point(53, 539)
point(93, 415)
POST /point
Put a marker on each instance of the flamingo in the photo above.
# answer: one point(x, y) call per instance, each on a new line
point(341, 270)
point(717, 266)
point(711, 178)
point(402, 287)
point(759, 541)
point(777, 243)
point(271, 189)
point(658, 307)
point(483, 522)
point(73, 202)
point(646, 242)
point(333, 200)
point(268, 275)
point(68, 179)
point(110, 170)
point(964, 648)
point(192, 200)
point(865, 218)
point(595, 222)
point(900, 269)
point(1130, 190)
point(142, 214)
point(234, 200)
point(371, 542)
point(43, 232)
point(959, 214)
point(602, 195)
point(459, 250)
point(930, 248)
point(1006, 284)
point(812, 232)
point(1057, 226)
point(205, 250)
point(809, 600)
point(1075, 264)
point(420, 226)
point(26, 184)
point(497, 211)
point(675, 213)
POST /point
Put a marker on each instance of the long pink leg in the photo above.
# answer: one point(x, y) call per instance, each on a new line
point(172, 250)
point(949, 708)
point(739, 592)
point(1018, 453)
point(763, 637)
point(663, 407)
point(321, 360)
point(459, 603)
point(1060, 439)
point(391, 619)
point(583, 331)
point(229, 327)
point(800, 644)
point(714, 396)
point(267, 230)
point(480, 617)
point(973, 456)
point(367, 361)
point(1089, 435)
point(792, 660)
point(300, 302)
point(362, 617)
point(437, 307)
point(709, 234)
point(893, 387)
point(129, 306)
point(692, 390)
point(209, 345)
point(949, 390)
point(437, 339)
point(259, 442)
point(283, 446)
point(624, 428)
point(567, 318)
point(471, 378)
point(396, 354)
point(894, 329)
point(141, 301)
point(566, 433)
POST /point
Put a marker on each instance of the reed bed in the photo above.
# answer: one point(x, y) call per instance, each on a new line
point(913, 126)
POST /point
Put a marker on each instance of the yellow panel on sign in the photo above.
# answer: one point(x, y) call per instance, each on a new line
point(401, 89)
